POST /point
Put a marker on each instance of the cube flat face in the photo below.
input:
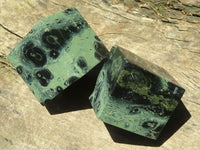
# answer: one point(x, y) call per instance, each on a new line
point(58, 50)
point(131, 98)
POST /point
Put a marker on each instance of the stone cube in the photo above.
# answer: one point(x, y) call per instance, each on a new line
point(134, 94)
point(58, 51)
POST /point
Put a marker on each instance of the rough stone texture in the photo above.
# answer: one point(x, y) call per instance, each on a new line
point(59, 50)
point(25, 124)
point(133, 98)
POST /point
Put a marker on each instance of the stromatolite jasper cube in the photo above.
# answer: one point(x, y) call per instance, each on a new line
point(58, 51)
point(134, 95)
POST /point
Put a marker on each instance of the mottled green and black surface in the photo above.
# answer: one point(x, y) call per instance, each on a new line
point(59, 50)
point(132, 98)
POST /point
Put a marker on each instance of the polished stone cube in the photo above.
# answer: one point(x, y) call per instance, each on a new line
point(134, 95)
point(58, 51)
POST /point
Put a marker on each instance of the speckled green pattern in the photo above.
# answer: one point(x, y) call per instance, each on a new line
point(132, 98)
point(59, 50)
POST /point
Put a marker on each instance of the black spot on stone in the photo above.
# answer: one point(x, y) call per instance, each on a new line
point(30, 32)
point(126, 125)
point(34, 54)
point(98, 106)
point(55, 38)
point(54, 54)
point(97, 38)
point(29, 77)
point(59, 21)
point(149, 124)
point(96, 45)
point(44, 76)
point(52, 90)
point(67, 11)
point(97, 89)
point(96, 95)
point(76, 70)
point(80, 24)
point(82, 63)
point(43, 82)
point(44, 73)
point(134, 110)
point(101, 50)
point(32, 91)
point(103, 74)
point(71, 80)
point(73, 28)
point(59, 89)
point(19, 69)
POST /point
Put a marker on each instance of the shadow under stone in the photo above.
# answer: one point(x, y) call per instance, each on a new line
point(179, 117)
point(76, 96)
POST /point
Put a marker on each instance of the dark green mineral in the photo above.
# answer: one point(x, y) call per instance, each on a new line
point(59, 50)
point(131, 94)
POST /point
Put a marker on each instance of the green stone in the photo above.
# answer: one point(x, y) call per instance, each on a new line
point(58, 51)
point(134, 95)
